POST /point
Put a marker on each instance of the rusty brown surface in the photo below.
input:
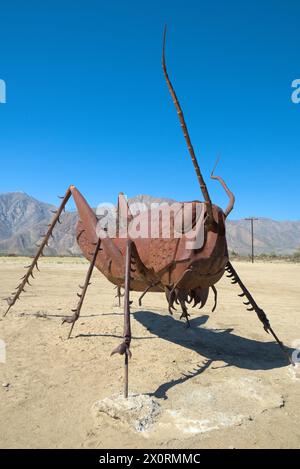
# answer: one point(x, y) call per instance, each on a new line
point(161, 264)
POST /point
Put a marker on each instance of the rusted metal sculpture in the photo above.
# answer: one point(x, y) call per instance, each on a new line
point(155, 264)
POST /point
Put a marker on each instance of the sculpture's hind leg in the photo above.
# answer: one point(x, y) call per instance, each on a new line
point(89, 224)
point(34, 264)
point(124, 347)
point(89, 221)
point(72, 319)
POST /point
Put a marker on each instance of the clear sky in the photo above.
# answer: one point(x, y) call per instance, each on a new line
point(87, 103)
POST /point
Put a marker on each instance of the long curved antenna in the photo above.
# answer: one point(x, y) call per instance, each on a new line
point(225, 187)
point(186, 133)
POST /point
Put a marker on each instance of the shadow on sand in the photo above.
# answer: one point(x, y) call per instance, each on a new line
point(213, 344)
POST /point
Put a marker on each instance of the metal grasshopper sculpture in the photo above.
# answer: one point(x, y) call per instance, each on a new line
point(157, 264)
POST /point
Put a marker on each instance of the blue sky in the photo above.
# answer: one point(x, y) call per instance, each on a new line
point(87, 103)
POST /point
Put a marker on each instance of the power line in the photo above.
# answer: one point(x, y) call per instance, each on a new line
point(252, 219)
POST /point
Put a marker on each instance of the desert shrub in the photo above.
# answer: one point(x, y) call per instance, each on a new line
point(296, 256)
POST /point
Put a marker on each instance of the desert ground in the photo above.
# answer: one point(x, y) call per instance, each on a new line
point(223, 383)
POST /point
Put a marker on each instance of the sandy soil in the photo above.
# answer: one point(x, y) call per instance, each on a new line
point(223, 383)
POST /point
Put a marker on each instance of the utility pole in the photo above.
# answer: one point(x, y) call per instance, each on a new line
point(252, 219)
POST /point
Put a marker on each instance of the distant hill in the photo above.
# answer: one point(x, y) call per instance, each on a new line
point(23, 221)
point(280, 237)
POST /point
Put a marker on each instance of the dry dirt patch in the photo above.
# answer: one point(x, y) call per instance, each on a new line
point(223, 383)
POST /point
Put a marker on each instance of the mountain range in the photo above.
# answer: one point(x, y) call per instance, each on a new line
point(23, 221)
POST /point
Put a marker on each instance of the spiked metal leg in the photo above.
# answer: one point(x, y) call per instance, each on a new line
point(146, 291)
point(216, 297)
point(25, 280)
point(170, 295)
point(119, 294)
point(185, 313)
point(254, 307)
point(72, 319)
point(124, 347)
